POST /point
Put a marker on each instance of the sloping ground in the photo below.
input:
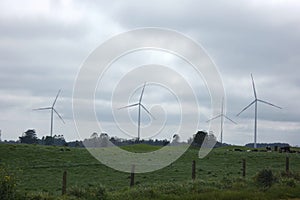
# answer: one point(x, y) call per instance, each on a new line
point(40, 168)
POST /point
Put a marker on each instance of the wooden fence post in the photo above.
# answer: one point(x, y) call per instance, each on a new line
point(194, 170)
point(287, 164)
point(132, 176)
point(244, 168)
point(64, 183)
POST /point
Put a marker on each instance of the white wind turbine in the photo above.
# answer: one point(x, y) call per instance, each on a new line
point(255, 102)
point(140, 105)
point(222, 115)
point(52, 110)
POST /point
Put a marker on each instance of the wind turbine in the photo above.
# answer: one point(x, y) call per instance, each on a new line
point(255, 102)
point(222, 115)
point(140, 105)
point(52, 110)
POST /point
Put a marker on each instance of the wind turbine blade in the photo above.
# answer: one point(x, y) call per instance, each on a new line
point(214, 118)
point(131, 105)
point(254, 90)
point(269, 103)
point(229, 119)
point(142, 93)
point(147, 111)
point(222, 108)
point(59, 116)
point(46, 108)
point(247, 107)
point(55, 98)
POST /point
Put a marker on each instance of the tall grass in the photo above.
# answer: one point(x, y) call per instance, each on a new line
point(7, 184)
point(218, 176)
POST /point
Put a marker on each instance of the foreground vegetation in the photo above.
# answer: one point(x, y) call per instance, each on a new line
point(35, 172)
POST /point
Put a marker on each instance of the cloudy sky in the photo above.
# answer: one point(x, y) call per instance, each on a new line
point(43, 45)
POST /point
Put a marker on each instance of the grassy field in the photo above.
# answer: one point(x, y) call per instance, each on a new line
point(38, 171)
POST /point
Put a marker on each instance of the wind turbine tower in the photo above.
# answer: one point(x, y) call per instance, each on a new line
point(52, 113)
point(255, 101)
point(222, 116)
point(140, 106)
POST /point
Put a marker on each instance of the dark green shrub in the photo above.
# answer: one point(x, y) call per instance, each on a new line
point(77, 192)
point(7, 185)
point(101, 193)
point(37, 196)
point(265, 178)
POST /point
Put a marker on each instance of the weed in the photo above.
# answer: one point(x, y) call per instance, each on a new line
point(7, 185)
point(265, 178)
point(97, 193)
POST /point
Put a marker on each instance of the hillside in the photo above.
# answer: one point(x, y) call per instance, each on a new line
point(40, 168)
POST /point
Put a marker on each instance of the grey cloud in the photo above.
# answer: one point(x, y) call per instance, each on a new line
point(41, 28)
point(39, 55)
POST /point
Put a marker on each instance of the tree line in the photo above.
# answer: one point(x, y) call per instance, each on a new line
point(104, 140)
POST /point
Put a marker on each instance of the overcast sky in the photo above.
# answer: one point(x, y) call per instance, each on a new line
point(43, 44)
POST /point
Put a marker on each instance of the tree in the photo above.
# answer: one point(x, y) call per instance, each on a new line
point(199, 138)
point(59, 140)
point(103, 140)
point(175, 140)
point(77, 143)
point(190, 140)
point(212, 137)
point(49, 140)
point(29, 137)
point(94, 135)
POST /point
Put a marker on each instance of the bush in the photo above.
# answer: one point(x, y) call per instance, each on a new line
point(7, 185)
point(98, 193)
point(101, 193)
point(293, 175)
point(289, 182)
point(265, 178)
point(37, 196)
point(77, 192)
